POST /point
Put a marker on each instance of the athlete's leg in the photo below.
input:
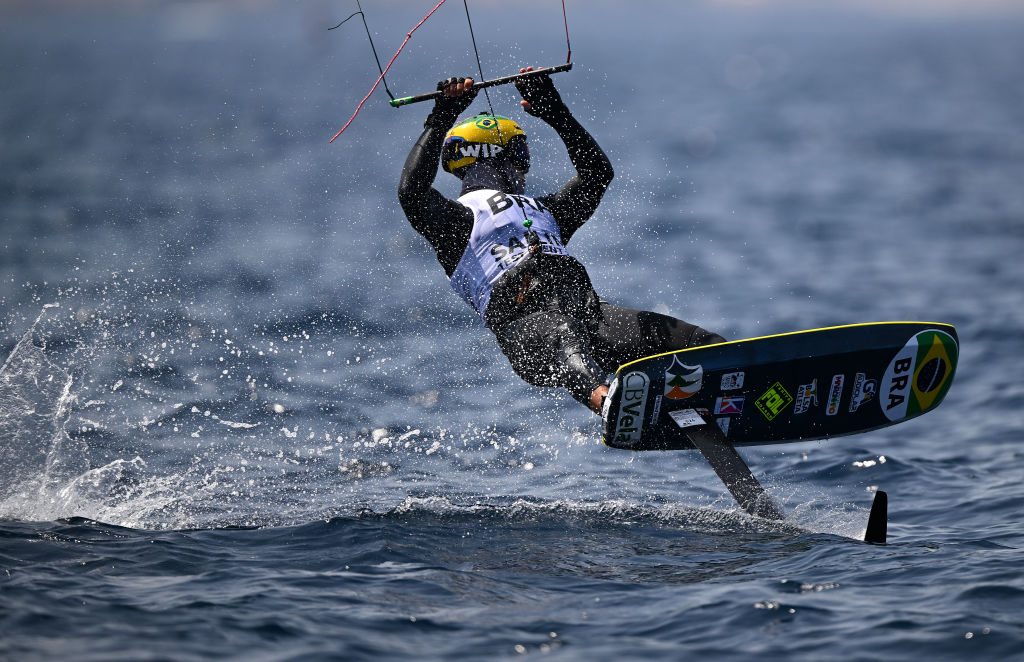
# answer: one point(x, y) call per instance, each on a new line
point(624, 335)
point(548, 348)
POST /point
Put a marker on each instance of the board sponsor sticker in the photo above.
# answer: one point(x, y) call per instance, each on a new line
point(919, 375)
point(835, 395)
point(723, 425)
point(727, 405)
point(864, 391)
point(732, 381)
point(682, 381)
point(773, 401)
point(806, 397)
point(686, 418)
point(630, 423)
point(656, 409)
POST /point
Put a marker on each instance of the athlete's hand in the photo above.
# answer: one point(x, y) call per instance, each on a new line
point(458, 93)
point(540, 98)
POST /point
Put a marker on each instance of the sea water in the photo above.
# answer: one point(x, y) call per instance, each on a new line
point(243, 417)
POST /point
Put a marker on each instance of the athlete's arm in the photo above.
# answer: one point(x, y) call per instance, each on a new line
point(575, 202)
point(445, 223)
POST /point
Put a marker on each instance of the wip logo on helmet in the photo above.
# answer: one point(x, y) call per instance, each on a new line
point(681, 380)
point(480, 150)
point(919, 375)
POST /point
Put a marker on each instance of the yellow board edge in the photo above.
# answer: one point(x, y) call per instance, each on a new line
point(779, 335)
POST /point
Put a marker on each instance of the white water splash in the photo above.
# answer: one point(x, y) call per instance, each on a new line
point(44, 472)
point(35, 403)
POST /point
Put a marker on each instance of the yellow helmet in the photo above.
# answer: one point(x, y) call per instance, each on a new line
point(484, 137)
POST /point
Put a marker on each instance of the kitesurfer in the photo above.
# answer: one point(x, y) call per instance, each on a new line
point(504, 252)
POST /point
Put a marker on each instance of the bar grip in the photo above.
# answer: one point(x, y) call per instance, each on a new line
point(504, 80)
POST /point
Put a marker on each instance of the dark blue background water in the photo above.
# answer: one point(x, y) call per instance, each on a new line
point(243, 417)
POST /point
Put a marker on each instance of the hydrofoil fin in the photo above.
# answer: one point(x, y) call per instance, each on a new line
point(748, 492)
point(734, 472)
point(878, 518)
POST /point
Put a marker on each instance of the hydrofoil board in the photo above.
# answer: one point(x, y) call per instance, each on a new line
point(783, 388)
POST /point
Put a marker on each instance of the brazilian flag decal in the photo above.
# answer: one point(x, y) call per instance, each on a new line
point(919, 376)
point(487, 123)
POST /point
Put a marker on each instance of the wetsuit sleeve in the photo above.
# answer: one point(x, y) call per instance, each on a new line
point(445, 223)
point(575, 202)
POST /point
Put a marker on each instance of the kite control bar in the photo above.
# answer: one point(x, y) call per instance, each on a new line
point(504, 80)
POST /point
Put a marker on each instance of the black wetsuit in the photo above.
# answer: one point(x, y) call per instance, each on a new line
point(548, 321)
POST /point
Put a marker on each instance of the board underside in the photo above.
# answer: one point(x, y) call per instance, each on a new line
point(783, 388)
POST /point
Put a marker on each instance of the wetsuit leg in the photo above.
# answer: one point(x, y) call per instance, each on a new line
point(624, 335)
point(548, 348)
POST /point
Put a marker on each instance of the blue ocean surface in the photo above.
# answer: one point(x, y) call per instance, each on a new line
point(242, 415)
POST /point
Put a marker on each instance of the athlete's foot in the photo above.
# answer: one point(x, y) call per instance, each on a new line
point(597, 398)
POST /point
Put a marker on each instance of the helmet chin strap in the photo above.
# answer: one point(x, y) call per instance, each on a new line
point(500, 176)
